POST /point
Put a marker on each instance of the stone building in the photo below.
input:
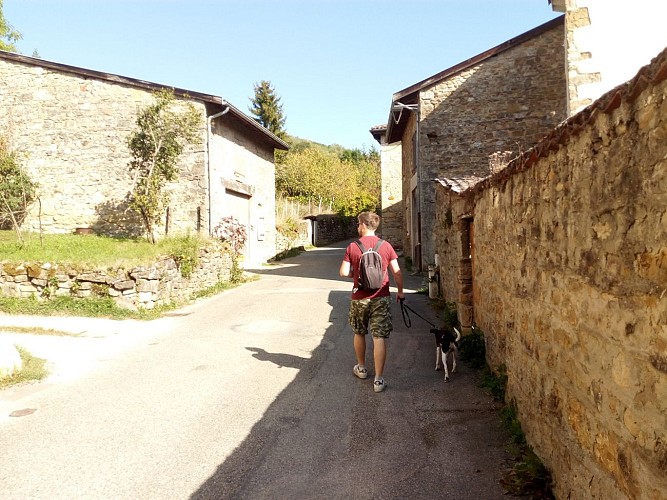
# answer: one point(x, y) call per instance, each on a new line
point(504, 99)
point(70, 127)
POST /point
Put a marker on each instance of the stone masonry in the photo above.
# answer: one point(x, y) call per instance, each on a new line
point(139, 287)
point(70, 132)
point(506, 103)
point(70, 127)
point(569, 285)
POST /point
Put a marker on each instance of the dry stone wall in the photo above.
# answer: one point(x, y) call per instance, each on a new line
point(139, 287)
point(570, 287)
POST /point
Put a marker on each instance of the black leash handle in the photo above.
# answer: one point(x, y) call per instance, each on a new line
point(406, 317)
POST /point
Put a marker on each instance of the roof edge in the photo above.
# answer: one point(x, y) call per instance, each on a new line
point(143, 84)
point(511, 43)
point(648, 76)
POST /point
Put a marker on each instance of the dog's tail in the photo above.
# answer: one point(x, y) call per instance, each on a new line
point(458, 335)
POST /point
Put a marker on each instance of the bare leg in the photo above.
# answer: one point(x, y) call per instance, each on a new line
point(379, 356)
point(360, 349)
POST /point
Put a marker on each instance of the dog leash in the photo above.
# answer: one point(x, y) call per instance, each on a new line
point(406, 317)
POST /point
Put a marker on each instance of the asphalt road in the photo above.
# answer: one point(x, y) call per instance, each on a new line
point(247, 395)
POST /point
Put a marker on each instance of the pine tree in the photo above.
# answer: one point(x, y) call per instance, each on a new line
point(267, 108)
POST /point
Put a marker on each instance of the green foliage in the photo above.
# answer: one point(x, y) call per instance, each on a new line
point(93, 307)
point(8, 35)
point(185, 251)
point(93, 252)
point(220, 286)
point(473, 349)
point(349, 180)
point(528, 478)
point(156, 145)
point(267, 109)
point(33, 369)
point(17, 191)
point(290, 252)
point(288, 227)
point(496, 382)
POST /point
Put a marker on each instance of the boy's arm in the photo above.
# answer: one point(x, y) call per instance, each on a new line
point(398, 278)
point(345, 269)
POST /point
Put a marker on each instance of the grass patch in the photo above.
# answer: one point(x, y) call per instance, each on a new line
point(97, 252)
point(100, 307)
point(220, 286)
point(528, 477)
point(35, 330)
point(33, 369)
point(290, 252)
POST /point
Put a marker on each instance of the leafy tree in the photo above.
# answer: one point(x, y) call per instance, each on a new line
point(161, 135)
point(347, 179)
point(17, 190)
point(267, 109)
point(8, 35)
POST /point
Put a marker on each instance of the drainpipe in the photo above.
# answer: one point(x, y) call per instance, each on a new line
point(207, 159)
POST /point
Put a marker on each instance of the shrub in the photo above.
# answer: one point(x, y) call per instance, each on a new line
point(17, 191)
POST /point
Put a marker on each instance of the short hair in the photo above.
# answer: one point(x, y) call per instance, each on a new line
point(370, 219)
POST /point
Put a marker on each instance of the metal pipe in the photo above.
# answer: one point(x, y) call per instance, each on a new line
point(207, 159)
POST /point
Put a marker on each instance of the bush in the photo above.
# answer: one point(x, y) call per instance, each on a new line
point(17, 191)
point(473, 349)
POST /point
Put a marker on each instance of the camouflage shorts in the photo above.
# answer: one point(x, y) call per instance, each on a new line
point(371, 314)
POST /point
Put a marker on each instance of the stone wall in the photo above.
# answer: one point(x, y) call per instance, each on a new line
point(329, 228)
point(507, 102)
point(391, 227)
point(570, 287)
point(302, 238)
point(139, 287)
point(71, 134)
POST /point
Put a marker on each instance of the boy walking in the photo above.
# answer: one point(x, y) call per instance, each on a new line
point(370, 310)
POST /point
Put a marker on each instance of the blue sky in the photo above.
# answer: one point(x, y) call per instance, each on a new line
point(334, 63)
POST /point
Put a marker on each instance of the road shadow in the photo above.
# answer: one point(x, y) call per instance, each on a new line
point(327, 435)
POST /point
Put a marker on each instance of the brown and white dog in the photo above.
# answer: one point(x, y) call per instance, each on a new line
point(446, 342)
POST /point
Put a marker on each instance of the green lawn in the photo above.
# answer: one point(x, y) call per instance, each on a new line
point(91, 251)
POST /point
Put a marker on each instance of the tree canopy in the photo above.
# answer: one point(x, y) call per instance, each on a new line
point(267, 109)
point(8, 35)
point(348, 179)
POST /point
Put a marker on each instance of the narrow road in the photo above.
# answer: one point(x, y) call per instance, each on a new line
point(248, 395)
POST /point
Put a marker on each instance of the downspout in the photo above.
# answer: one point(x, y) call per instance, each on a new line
point(209, 133)
point(421, 191)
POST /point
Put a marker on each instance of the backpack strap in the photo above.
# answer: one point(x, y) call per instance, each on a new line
point(363, 248)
